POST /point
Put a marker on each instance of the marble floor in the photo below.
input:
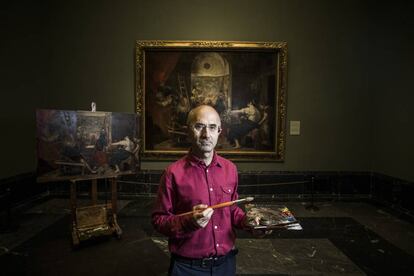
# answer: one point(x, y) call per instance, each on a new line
point(341, 238)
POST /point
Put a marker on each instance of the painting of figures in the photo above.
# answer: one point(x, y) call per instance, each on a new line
point(244, 82)
point(85, 145)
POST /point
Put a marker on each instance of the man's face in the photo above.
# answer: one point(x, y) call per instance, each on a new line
point(204, 131)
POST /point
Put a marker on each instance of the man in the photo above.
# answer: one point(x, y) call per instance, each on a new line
point(201, 243)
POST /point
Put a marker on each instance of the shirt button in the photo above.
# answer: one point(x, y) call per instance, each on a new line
point(211, 189)
point(217, 245)
point(215, 226)
point(229, 190)
point(207, 170)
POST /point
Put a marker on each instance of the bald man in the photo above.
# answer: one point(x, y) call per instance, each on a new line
point(201, 243)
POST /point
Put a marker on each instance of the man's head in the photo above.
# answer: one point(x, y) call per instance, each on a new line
point(204, 128)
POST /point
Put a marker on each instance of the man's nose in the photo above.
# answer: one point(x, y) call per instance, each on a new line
point(205, 132)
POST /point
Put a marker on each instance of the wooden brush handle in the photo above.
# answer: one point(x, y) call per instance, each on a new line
point(220, 205)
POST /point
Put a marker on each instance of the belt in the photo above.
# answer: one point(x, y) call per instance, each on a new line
point(204, 262)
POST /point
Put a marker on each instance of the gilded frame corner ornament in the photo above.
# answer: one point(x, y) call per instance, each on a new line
point(245, 81)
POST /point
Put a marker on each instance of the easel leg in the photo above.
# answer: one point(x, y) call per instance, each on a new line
point(114, 196)
point(73, 199)
point(75, 238)
point(94, 191)
point(118, 229)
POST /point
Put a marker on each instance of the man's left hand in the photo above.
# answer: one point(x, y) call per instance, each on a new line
point(258, 233)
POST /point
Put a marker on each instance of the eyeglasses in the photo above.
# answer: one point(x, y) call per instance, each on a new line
point(212, 128)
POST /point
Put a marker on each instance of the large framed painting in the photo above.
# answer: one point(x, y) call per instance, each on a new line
point(244, 81)
point(86, 145)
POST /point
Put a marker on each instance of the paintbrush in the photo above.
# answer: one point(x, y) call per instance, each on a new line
point(221, 205)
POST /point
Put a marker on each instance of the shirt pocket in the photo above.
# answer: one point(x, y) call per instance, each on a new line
point(226, 193)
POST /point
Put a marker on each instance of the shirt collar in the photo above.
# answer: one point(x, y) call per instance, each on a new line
point(195, 161)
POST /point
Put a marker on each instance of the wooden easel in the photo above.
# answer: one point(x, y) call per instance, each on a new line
point(96, 219)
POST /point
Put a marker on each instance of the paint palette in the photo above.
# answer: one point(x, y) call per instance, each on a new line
point(271, 217)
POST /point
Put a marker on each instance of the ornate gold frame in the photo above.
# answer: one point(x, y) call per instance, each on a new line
point(276, 49)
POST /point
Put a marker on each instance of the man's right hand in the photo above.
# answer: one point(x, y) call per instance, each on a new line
point(202, 214)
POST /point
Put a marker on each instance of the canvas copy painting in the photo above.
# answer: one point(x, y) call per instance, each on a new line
point(85, 145)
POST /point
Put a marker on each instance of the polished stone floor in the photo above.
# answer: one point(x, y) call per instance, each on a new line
point(341, 238)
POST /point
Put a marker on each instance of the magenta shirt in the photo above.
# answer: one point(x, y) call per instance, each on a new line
point(188, 182)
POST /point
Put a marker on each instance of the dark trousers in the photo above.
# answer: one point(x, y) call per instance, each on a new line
point(223, 266)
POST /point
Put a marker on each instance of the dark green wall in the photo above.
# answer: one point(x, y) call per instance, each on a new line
point(65, 54)
point(392, 89)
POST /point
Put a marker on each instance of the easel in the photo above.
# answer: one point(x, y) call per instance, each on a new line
point(95, 220)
